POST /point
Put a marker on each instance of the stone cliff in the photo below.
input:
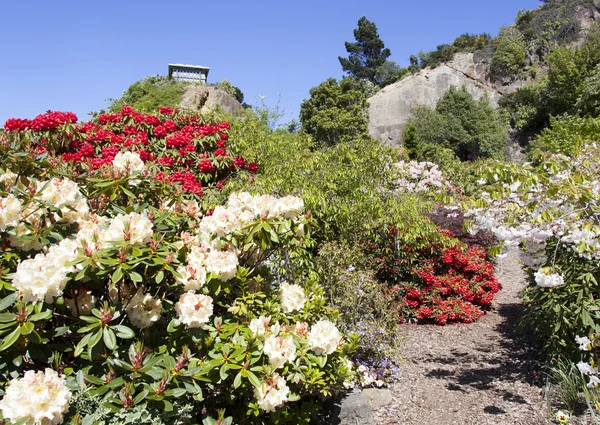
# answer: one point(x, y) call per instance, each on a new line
point(389, 109)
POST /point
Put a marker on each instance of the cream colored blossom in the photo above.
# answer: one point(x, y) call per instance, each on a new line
point(280, 350)
point(222, 263)
point(192, 277)
point(292, 297)
point(194, 310)
point(143, 310)
point(272, 394)
point(39, 398)
point(127, 164)
point(10, 212)
point(133, 228)
point(260, 327)
point(40, 279)
point(324, 337)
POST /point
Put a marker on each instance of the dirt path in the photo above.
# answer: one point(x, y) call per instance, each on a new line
point(476, 374)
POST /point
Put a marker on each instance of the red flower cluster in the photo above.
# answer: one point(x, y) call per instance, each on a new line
point(183, 149)
point(43, 122)
point(438, 282)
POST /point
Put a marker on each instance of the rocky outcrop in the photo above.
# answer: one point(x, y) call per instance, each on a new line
point(389, 109)
point(204, 98)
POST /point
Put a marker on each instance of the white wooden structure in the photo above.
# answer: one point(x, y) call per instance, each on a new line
point(195, 73)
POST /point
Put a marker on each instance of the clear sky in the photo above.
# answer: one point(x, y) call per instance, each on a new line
point(72, 55)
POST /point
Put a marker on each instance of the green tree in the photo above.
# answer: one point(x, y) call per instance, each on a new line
point(510, 54)
point(367, 54)
point(471, 129)
point(336, 111)
point(588, 103)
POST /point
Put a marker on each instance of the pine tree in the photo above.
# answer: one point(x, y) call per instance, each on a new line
point(367, 54)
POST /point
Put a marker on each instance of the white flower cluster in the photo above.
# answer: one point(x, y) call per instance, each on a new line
point(143, 310)
point(44, 277)
point(133, 228)
point(128, 164)
point(39, 398)
point(10, 212)
point(584, 342)
point(243, 208)
point(272, 394)
point(280, 350)
point(201, 261)
point(261, 329)
point(292, 297)
point(324, 338)
point(62, 195)
point(420, 176)
point(585, 368)
point(543, 279)
point(194, 310)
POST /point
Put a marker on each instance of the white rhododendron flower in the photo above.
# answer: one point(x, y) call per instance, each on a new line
point(594, 382)
point(260, 327)
point(65, 195)
point(39, 398)
point(128, 163)
point(143, 310)
point(292, 297)
point(324, 337)
point(587, 369)
point(132, 228)
point(40, 278)
point(194, 310)
point(192, 278)
point(301, 329)
point(280, 350)
point(544, 280)
point(584, 343)
point(223, 263)
point(10, 212)
point(272, 394)
point(8, 179)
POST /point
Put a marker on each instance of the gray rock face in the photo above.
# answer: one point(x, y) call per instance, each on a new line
point(389, 109)
point(353, 410)
point(204, 98)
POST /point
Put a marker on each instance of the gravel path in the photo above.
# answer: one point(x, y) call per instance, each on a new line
point(476, 374)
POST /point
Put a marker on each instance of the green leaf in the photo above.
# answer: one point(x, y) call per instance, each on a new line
point(10, 339)
point(8, 300)
point(138, 398)
point(95, 339)
point(159, 276)
point(253, 379)
point(238, 380)
point(44, 315)
point(124, 332)
point(82, 344)
point(110, 339)
point(27, 328)
point(135, 276)
point(117, 275)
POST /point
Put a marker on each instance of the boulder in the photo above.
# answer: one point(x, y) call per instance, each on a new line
point(204, 98)
point(378, 397)
point(354, 409)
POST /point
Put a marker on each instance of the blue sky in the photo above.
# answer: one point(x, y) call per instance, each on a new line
point(73, 55)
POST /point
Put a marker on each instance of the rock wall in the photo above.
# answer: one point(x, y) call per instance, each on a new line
point(204, 98)
point(389, 109)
